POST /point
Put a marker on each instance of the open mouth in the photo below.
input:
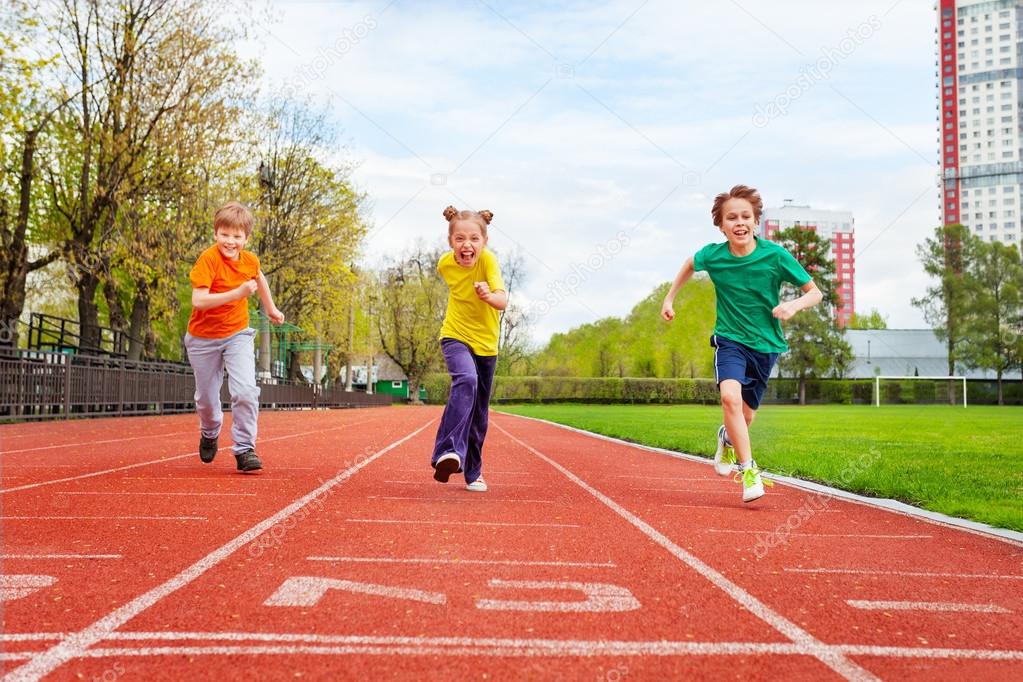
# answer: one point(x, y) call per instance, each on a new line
point(467, 256)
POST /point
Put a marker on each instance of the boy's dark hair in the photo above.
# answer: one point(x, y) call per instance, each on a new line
point(738, 192)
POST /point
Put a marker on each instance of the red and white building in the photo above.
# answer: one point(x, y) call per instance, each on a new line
point(837, 226)
point(979, 62)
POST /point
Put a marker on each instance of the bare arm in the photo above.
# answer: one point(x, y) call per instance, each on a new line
point(275, 315)
point(811, 297)
point(667, 311)
point(202, 299)
point(496, 299)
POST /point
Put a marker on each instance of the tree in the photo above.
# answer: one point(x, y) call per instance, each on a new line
point(136, 64)
point(816, 346)
point(872, 320)
point(409, 306)
point(946, 256)
point(26, 110)
point(309, 219)
point(513, 340)
point(991, 336)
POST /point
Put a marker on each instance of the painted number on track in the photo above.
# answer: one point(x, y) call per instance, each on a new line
point(599, 597)
point(17, 586)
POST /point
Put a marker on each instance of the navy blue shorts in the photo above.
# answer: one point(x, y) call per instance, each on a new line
point(751, 368)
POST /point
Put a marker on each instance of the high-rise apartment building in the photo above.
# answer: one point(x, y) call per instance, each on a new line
point(980, 100)
point(837, 226)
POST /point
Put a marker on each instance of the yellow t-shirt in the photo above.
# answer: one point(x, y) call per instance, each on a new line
point(469, 319)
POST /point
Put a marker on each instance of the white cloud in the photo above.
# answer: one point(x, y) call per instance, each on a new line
point(606, 144)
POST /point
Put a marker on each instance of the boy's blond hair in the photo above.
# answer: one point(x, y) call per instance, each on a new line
point(481, 218)
point(234, 214)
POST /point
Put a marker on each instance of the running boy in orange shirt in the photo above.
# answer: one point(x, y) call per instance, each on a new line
point(219, 335)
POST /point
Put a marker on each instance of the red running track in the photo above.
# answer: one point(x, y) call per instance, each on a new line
point(124, 556)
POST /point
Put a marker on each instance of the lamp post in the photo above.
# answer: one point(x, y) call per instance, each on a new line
point(266, 182)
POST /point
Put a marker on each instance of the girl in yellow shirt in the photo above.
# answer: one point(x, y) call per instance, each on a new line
point(468, 340)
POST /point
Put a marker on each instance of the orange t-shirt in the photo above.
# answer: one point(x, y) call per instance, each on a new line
point(218, 274)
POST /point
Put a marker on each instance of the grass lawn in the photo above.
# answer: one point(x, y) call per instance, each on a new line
point(961, 462)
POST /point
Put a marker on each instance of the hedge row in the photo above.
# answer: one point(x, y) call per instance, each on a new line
point(508, 389)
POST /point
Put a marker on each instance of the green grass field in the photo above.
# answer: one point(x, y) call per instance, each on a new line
point(961, 462)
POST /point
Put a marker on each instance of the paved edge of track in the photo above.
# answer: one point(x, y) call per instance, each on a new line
point(1010, 536)
point(819, 650)
point(77, 643)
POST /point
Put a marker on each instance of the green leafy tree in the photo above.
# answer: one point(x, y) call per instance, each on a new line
point(409, 307)
point(991, 335)
point(816, 346)
point(872, 320)
point(26, 110)
point(946, 257)
point(641, 344)
point(136, 66)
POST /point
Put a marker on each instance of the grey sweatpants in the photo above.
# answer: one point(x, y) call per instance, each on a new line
point(209, 358)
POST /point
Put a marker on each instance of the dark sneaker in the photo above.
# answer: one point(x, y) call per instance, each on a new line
point(207, 449)
point(448, 463)
point(248, 461)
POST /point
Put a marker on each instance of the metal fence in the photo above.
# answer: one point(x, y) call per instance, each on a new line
point(45, 385)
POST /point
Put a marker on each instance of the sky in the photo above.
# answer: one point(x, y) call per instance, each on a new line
point(599, 133)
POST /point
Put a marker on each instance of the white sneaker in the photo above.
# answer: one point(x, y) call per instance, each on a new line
point(752, 484)
point(477, 486)
point(724, 458)
point(448, 463)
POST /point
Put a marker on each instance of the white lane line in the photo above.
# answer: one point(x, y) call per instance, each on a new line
point(19, 465)
point(97, 473)
point(75, 645)
point(231, 477)
point(908, 574)
point(14, 657)
point(96, 442)
point(171, 459)
point(116, 518)
point(752, 531)
point(427, 646)
point(30, 636)
point(60, 556)
point(869, 605)
point(424, 483)
point(489, 498)
point(398, 645)
point(465, 523)
point(836, 661)
point(475, 562)
point(135, 492)
point(760, 510)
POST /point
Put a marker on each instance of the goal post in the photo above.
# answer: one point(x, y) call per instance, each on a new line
point(878, 378)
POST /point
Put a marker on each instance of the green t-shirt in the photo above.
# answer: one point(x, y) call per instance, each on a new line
point(747, 291)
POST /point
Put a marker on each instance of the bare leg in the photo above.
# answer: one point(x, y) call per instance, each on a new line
point(737, 417)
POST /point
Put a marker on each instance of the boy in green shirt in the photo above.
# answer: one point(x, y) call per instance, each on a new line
point(747, 272)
